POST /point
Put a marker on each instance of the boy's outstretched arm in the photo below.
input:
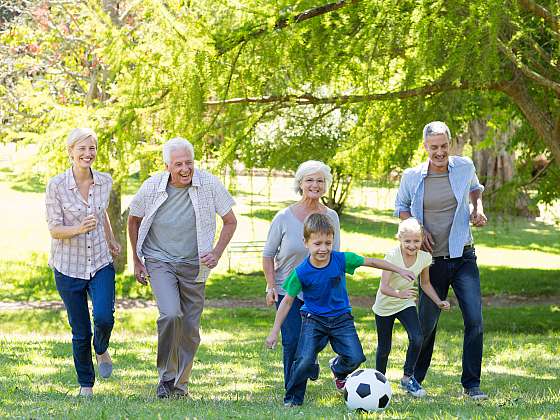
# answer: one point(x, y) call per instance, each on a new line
point(389, 291)
point(281, 314)
point(427, 287)
point(386, 265)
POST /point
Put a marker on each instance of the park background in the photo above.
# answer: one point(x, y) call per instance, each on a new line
point(258, 87)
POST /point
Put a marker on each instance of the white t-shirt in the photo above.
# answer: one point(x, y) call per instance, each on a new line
point(389, 305)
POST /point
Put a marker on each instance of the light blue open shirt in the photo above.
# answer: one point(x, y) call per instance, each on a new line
point(463, 180)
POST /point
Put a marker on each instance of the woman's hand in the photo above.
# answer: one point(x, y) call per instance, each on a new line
point(271, 296)
point(271, 340)
point(88, 224)
point(114, 248)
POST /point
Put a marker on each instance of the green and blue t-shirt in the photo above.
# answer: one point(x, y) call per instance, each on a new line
point(324, 289)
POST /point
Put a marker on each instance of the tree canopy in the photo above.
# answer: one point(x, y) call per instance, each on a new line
point(271, 83)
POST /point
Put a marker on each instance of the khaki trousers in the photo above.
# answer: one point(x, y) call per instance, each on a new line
point(180, 301)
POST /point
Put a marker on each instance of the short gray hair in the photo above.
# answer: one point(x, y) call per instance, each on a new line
point(79, 134)
point(176, 143)
point(434, 128)
point(310, 167)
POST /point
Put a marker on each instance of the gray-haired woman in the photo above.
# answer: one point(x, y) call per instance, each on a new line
point(81, 254)
point(284, 250)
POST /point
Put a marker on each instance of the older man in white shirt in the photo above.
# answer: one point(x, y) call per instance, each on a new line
point(172, 226)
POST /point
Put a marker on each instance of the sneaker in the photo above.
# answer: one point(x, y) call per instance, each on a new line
point(290, 404)
point(339, 383)
point(104, 364)
point(413, 387)
point(475, 393)
point(165, 389)
point(86, 392)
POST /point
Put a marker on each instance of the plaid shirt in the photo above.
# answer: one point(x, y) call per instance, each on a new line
point(82, 255)
point(208, 196)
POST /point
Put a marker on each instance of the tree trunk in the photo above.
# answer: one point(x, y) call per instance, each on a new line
point(118, 222)
point(338, 190)
point(496, 166)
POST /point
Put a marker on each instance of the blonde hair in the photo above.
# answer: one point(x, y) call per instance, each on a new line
point(410, 225)
point(310, 167)
point(317, 223)
point(79, 134)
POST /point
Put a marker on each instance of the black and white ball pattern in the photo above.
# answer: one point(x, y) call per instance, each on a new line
point(367, 389)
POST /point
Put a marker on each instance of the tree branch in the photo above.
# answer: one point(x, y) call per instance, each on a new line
point(284, 22)
point(542, 12)
point(531, 74)
point(308, 99)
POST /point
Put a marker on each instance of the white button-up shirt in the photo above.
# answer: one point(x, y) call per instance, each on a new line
point(82, 255)
point(208, 196)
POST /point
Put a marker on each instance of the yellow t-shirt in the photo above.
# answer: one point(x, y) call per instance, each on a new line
point(389, 305)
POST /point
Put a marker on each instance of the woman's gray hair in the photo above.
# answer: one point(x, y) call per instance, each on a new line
point(434, 128)
point(176, 143)
point(79, 134)
point(311, 167)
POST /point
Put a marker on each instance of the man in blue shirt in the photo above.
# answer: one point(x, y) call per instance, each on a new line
point(326, 312)
point(439, 193)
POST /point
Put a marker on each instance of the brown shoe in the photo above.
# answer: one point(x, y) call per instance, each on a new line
point(179, 393)
point(165, 389)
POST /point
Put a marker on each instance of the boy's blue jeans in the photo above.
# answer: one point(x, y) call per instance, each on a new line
point(316, 332)
point(461, 274)
point(74, 291)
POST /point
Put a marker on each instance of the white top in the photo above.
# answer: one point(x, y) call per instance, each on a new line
point(388, 305)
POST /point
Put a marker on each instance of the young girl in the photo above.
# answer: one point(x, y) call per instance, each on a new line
point(395, 299)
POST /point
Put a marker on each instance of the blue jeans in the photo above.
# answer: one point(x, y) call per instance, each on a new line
point(409, 320)
point(74, 291)
point(461, 274)
point(290, 330)
point(316, 332)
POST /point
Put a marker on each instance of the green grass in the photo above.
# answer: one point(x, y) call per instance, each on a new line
point(33, 280)
point(236, 377)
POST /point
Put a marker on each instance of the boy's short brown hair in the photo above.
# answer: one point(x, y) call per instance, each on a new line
point(317, 223)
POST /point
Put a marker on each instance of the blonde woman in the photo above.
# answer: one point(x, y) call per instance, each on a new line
point(82, 248)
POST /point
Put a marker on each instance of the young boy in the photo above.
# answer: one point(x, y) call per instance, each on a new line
point(326, 313)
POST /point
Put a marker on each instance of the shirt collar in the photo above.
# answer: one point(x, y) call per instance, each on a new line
point(165, 179)
point(71, 182)
point(424, 166)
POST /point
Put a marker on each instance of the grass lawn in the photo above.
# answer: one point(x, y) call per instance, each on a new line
point(236, 377)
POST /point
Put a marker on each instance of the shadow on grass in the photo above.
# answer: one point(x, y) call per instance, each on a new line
point(235, 377)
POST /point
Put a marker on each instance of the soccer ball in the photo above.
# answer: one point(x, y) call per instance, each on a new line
point(367, 389)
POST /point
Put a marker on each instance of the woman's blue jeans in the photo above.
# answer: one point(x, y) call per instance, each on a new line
point(316, 332)
point(74, 292)
point(290, 330)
